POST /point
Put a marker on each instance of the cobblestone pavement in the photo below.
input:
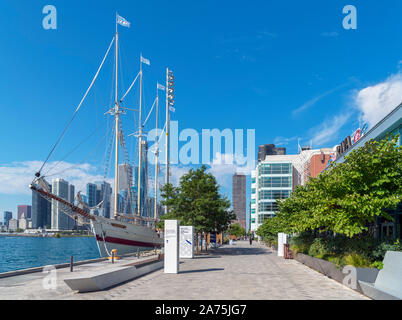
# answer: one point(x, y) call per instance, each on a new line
point(237, 272)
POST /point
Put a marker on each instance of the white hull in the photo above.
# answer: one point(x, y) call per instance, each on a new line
point(124, 237)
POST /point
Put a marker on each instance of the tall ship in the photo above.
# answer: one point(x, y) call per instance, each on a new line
point(126, 232)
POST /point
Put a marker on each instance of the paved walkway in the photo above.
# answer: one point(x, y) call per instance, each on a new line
point(235, 272)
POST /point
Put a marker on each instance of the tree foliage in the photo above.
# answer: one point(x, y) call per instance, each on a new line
point(236, 230)
point(346, 198)
point(197, 202)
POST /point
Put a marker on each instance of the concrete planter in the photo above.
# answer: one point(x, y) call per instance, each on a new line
point(331, 271)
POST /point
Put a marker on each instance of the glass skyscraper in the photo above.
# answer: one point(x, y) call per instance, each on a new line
point(272, 180)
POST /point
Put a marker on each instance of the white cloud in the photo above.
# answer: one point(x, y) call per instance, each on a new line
point(375, 102)
point(16, 177)
point(283, 141)
point(328, 130)
point(223, 167)
point(314, 100)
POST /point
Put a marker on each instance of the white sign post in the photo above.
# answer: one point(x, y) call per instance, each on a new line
point(171, 253)
point(187, 242)
point(282, 239)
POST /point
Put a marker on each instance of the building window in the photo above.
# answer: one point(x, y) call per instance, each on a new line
point(252, 201)
point(275, 168)
point(253, 190)
point(275, 182)
point(273, 194)
point(263, 217)
point(267, 207)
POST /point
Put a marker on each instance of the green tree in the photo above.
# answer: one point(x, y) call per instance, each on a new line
point(197, 202)
point(348, 197)
point(236, 230)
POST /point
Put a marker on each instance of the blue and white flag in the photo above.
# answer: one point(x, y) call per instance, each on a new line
point(172, 109)
point(146, 61)
point(160, 87)
point(123, 22)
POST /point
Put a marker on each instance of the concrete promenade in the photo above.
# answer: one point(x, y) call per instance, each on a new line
point(237, 272)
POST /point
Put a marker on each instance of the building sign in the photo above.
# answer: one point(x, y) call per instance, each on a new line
point(332, 158)
point(359, 133)
point(345, 145)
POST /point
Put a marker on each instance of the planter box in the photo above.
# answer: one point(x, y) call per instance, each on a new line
point(331, 271)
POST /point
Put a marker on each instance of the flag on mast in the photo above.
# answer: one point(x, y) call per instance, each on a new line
point(123, 22)
point(160, 87)
point(146, 61)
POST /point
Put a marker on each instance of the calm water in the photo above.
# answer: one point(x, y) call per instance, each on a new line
point(28, 252)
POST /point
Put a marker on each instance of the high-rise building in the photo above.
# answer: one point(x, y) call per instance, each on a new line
point(239, 198)
point(144, 179)
point(104, 192)
point(91, 194)
point(24, 209)
point(8, 215)
point(278, 175)
point(269, 150)
point(41, 211)
point(273, 179)
point(62, 189)
point(13, 224)
point(125, 172)
point(23, 223)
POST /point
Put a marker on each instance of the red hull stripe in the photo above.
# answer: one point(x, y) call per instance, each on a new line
point(129, 242)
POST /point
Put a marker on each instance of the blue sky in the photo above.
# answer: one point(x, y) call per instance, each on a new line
point(287, 69)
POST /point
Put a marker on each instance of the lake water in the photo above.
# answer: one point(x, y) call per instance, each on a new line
point(27, 252)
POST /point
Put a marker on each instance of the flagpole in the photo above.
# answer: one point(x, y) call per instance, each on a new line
point(156, 155)
point(140, 145)
point(117, 115)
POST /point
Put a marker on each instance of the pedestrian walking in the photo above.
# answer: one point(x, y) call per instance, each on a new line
point(251, 241)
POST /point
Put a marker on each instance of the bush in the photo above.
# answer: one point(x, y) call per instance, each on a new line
point(301, 243)
point(318, 248)
point(377, 264)
point(357, 260)
point(382, 248)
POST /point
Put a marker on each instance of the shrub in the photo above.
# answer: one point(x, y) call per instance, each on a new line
point(377, 264)
point(318, 248)
point(301, 243)
point(357, 260)
point(381, 249)
point(338, 261)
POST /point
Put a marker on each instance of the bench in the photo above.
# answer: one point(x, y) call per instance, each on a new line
point(388, 284)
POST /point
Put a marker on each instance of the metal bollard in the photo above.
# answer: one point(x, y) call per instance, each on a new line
point(112, 256)
point(138, 253)
point(71, 263)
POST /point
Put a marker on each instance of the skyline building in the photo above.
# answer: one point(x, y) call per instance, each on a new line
point(41, 211)
point(8, 215)
point(91, 195)
point(24, 209)
point(125, 172)
point(104, 192)
point(13, 224)
point(239, 198)
point(59, 220)
point(269, 150)
point(278, 175)
point(274, 178)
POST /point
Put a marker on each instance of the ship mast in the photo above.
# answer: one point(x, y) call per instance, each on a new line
point(117, 120)
point(140, 145)
point(156, 156)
